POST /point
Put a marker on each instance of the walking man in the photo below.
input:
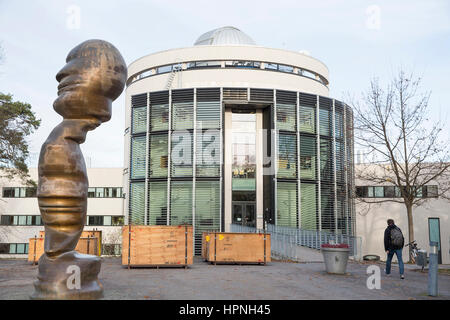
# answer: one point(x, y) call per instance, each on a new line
point(393, 243)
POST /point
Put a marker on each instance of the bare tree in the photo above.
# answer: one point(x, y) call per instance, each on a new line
point(393, 125)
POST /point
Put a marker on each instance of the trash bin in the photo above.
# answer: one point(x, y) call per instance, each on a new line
point(421, 259)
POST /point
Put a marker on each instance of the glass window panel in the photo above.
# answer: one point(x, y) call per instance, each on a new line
point(138, 155)
point(326, 160)
point(307, 157)
point(307, 119)
point(22, 220)
point(284, 68)
point(207, 204)
point(325, 122)
point(137, 203)
point(158, 203)
point(389, 192)
point(20, 249)
point(207, 64)
point(287, 204)
point(327, 210)
point(99, 192)
point(107, 220)
point(16, 192)
point(117, 221)
point(370, 192)
point(23, 192)
point(308, 206)
point(38, 221)
point(164, 69)
point(30, 192)
point(91, 192)
point(159, 117)
point(12, 248)
point(181, 155)
point(379, 192)
point(286, 117)
point(287, 156)
point(181, 203)
point(339, 124)
point(183, 116)
point(271, 66)
point(208, 115)
point(208, 153)
point(29, 220)
point(432, 191)
point(139, 118)
point(159, 158)
point(15, 220)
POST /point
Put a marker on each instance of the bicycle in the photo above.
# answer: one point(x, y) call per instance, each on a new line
point(418, 256)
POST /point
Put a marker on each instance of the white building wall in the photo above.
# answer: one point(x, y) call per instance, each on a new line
point(371, 221)
point(98, 177)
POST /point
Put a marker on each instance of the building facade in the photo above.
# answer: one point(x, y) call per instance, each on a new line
point(20, 217)
point(228, 132)
point(430, 220)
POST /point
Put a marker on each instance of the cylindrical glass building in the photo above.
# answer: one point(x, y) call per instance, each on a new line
point(230, 132)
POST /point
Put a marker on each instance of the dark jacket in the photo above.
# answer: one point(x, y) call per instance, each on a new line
point(387, 239)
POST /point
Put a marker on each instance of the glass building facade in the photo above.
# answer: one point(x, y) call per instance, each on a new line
point(300, 146)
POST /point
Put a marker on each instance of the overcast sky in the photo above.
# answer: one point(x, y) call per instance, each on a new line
point(357, 40)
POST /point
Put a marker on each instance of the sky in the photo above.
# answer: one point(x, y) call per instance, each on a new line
point(357, 40)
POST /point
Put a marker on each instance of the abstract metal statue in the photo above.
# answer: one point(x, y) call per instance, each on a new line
point(93, 77)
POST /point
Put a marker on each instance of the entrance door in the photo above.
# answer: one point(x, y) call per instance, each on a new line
point(244, 214)
point(434, 231)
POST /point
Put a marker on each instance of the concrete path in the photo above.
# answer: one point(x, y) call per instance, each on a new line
point(277, 280)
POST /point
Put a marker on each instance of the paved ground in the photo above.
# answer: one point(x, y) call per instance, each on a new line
point(277, 280)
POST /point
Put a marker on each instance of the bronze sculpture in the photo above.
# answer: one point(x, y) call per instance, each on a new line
point(93, 77)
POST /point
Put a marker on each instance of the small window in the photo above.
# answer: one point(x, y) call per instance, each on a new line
point(20, 248)
point(95, 220)
point(91, 192)
point(432, 191)
point(379, 192)
point(370, 192)
point(271, 66)
point(107, 220)
point(389, 192)
point(30, 192)
point(164, 69)
point(117, 221)
point(284, 68)
point(22, 221)
point(99, 192)
point(12, 248)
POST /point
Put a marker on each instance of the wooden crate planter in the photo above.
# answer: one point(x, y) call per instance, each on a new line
point(240, 248)
point(157, 246)
point(85, 246)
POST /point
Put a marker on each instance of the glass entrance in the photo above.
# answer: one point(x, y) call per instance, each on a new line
point(243, 148)
point(244, 214)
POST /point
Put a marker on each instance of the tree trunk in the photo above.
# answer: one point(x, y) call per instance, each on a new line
point(410, 228)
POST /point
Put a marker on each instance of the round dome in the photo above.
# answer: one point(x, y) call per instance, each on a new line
point(224, 36)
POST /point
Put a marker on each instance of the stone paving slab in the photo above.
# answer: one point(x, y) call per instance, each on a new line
point(203, 281)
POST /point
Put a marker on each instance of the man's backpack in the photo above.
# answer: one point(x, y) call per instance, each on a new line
point(396, 237)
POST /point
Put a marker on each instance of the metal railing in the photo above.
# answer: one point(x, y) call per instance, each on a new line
point(286, 240)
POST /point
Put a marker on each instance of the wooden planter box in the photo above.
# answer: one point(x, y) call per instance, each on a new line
point(157, 246)
point(241, 248)
point(85, 245)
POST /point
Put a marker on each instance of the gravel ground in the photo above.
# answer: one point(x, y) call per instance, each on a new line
point(203, 281)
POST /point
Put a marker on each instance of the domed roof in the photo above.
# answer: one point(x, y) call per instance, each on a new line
point(224, 36)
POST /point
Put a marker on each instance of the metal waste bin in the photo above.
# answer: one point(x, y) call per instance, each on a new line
point(421, 259)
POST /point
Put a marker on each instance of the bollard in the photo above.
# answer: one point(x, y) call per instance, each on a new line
point(433, 270)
